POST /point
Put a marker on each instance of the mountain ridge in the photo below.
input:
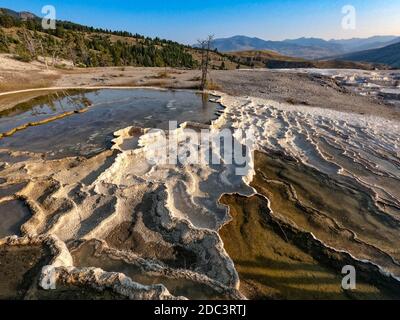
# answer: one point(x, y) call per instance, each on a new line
point(23, 15)
point(306, 48)
point(273, 60)
point(389, 55)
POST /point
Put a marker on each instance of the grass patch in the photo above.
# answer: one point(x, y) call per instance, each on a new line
point(211, 85)
point(293, 101)
point(198, 78)
point(36, 81)
point(162, 75)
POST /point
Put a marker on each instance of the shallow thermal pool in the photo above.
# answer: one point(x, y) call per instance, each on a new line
point(93, 116)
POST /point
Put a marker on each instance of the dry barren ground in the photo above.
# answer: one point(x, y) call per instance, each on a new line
point(311, 90)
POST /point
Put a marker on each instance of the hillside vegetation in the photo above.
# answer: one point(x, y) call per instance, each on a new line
point(22, 35)
point(87, 46)
point(389, 55)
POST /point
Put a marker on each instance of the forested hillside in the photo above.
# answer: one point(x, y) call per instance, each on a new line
point(22, 35)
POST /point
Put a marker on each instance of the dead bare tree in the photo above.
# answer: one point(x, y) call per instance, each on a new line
point(69, 49)
point(43, 53)
point(205, 46)
point(54, 56)
point(29, 43)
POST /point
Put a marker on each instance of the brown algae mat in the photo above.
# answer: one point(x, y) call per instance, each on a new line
point(20, 267)
point(276, 260)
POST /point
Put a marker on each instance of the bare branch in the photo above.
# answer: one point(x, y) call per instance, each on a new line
point(205, 46)
point(29, 43)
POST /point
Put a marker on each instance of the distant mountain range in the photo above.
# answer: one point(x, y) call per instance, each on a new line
point(307, 48)
point(273, 60)
point(389, 55)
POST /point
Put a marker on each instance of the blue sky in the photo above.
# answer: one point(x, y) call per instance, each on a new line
point(186, 21)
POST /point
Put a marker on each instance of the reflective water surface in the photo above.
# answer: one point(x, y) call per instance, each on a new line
point(91, 118)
